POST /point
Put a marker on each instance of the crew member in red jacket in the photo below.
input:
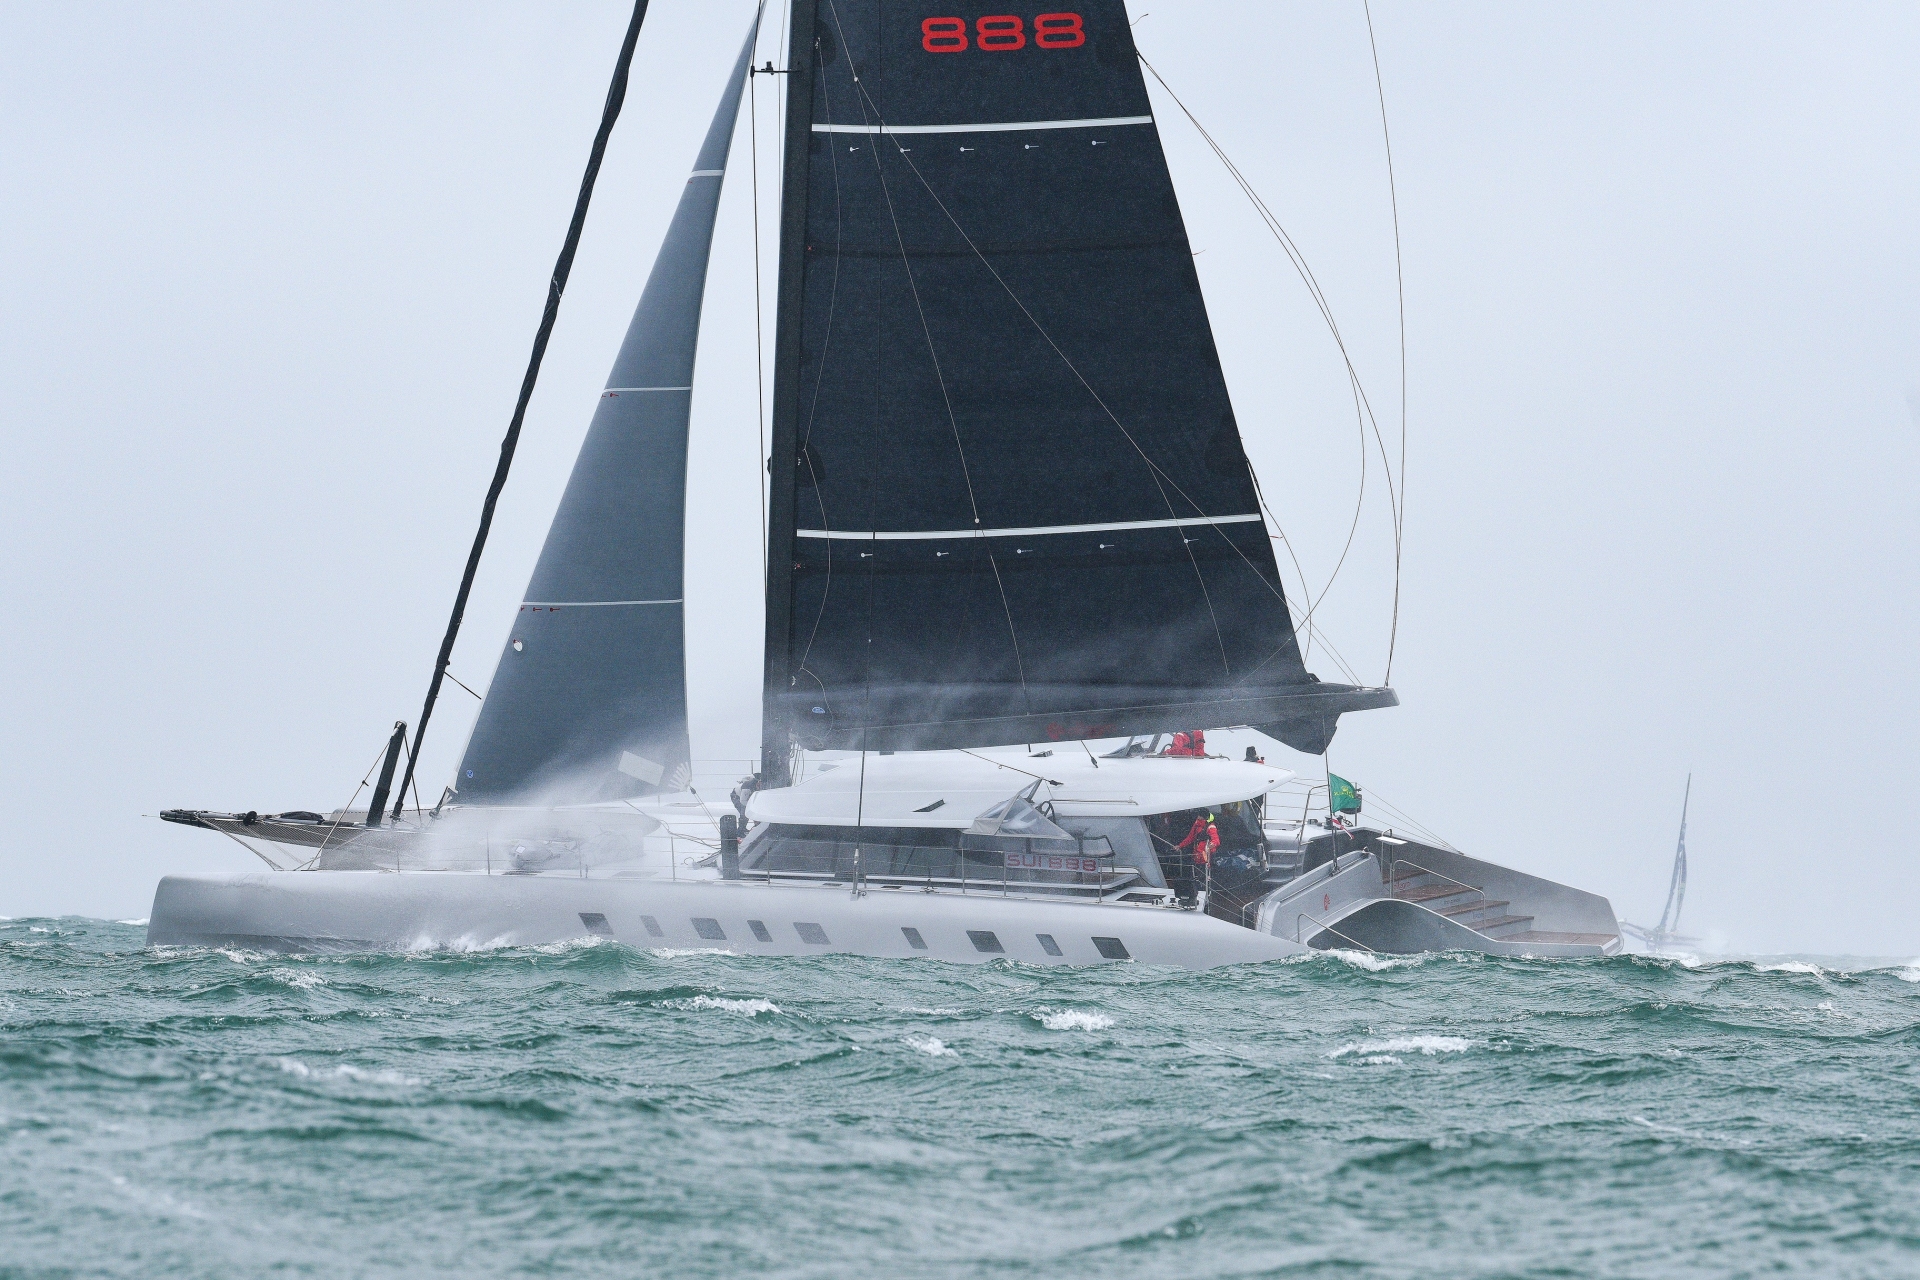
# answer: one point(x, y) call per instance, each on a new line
point(1202, 839)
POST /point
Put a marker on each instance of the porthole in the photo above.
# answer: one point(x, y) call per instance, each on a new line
point(1112, 948)
point(811, 934)
point(707, 927)
point(759, 928)
point(652, 927)
point(914, 939)
point(1048, 945)
point(984, 940)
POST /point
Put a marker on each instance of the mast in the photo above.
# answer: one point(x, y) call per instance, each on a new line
point(784, 445)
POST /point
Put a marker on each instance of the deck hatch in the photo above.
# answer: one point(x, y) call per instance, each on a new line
point(1112, 948)
point(759, 928)
point(653, 927)
point(1048, 945)
point(914, 939)
point(811, 933)
point(708, 927)
point(596, 924)
point(985, 940)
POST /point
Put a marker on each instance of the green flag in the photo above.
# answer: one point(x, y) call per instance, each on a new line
point(1342, 796)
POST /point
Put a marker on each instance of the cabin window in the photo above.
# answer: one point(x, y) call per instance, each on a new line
point(948, 855)
point(709, 928)
point(1047, 944)
point(1112, 948)
point(759, 928)
point(1127, 838)
point(914, 939)
point(838, 852)
point(811, 934)
point(652, 927)
point(596, 924)
point(985, 940)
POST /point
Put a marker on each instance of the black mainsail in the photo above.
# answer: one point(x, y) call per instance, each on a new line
point(1008, 500)
point(589, 701)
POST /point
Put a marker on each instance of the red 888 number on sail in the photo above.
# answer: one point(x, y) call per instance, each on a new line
point(1002, 33)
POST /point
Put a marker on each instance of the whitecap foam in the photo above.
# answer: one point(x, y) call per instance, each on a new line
point(141, 922)
point(1789, 966)
point(673, 953)
point(751, 1008)
point(297, 978)
point(1909, 974)
point(935, 1013)
point(343, 1071)
point(1072, 1020)
point(932, 1046)
point(1427, 1046)
point(1372, 961)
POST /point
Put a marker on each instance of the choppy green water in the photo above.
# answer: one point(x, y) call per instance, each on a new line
point(605, 1111)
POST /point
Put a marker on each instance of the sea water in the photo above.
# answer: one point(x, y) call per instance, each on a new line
point(599, 1110)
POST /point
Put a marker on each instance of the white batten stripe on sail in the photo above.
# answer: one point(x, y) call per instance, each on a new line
point(705, 173)
point(933, 535)
point(585, 604)
point(604, 390)
point(982, 128)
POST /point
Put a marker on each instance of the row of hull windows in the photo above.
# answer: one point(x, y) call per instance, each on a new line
point(983, 940)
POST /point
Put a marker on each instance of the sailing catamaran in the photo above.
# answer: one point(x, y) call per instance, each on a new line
point(1666, 935)
point(1009, 516)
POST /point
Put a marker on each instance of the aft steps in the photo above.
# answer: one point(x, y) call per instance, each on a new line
point(1466, 905)
point(1461, 903)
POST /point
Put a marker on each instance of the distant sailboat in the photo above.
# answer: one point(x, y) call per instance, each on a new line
point(1666, 935)
point(1008, 508)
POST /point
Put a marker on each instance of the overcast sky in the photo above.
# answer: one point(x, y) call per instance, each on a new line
point(272, 271)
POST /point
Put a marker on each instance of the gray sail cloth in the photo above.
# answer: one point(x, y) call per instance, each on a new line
point(589, 701)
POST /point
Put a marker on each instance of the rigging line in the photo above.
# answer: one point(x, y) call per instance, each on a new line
point(1298, 259)
point(250, 849)
point(1363, 408)
point(1154, 471)
point(350, 799)
point(417, 806)
point(556, 286)
point(1292, 250)
point(820, 377)
point(1400, 290)
point(463, 684)
point(966, 473)
point(1306, 589)
point(913, 286)
point(1052, 782)
point(759, 334)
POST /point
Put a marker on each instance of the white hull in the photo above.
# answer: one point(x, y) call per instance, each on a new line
point(371, 910)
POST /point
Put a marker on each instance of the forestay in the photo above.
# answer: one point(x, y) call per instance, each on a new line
point(1009, 498)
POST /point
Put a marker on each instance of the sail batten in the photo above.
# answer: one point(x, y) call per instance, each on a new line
point(589, 701)
point(1008, 491)
point(1002, 127)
